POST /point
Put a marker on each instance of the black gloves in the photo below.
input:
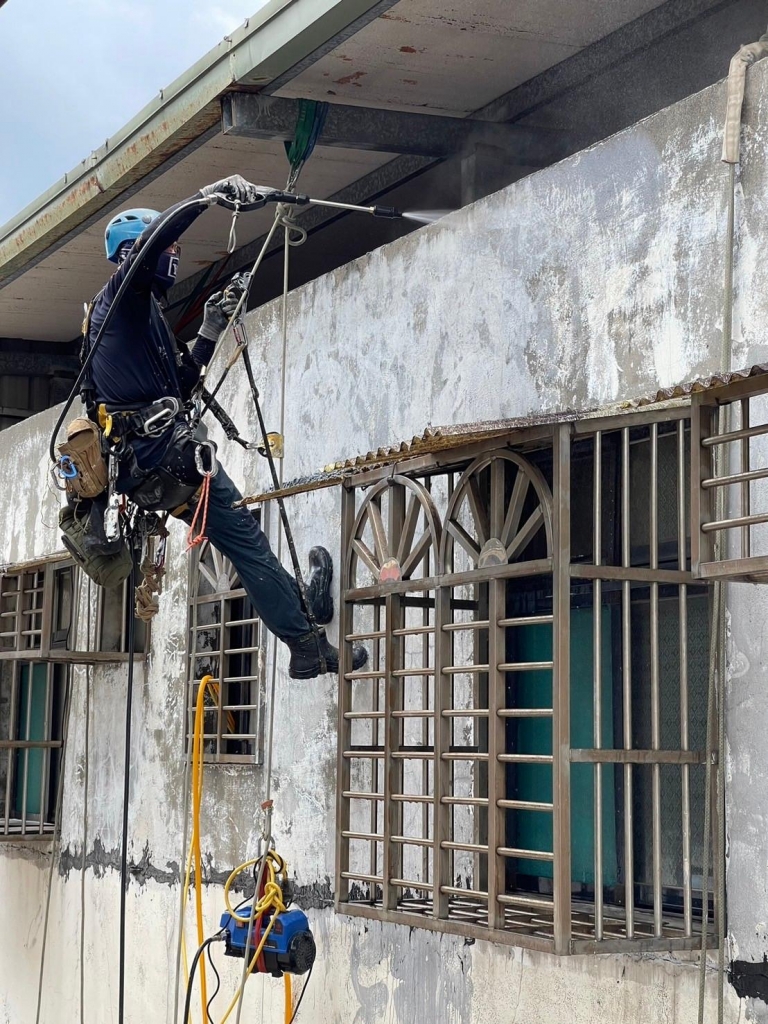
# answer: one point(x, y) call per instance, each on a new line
point(219, 308)
point(235, 188)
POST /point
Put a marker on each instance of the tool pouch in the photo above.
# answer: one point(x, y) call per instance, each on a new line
point(108, 563)
point(175, 481)
point(83, 446)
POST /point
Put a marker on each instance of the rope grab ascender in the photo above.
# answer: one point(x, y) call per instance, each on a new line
point(106, 531)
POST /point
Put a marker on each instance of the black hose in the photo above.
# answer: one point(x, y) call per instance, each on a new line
point(157, 223)
point(126, 790)
point(193, 968)
point(218, 985)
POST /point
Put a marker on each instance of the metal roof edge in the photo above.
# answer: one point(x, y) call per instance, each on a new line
point(280, 35)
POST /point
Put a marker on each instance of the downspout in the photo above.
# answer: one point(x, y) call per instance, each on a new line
point(747, 55)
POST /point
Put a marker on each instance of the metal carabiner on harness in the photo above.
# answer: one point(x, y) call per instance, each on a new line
point(169, 408)
point(213, 469)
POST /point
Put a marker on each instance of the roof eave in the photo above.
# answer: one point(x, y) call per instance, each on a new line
point(280, 35)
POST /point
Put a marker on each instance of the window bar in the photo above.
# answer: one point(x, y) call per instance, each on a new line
point(626, 673)
point(745, 500)
point(47, 606)
point(655, 704)
point(561, 690)
point(426, 810)
point(393, 771)
point(11, 759)
point(344, 764)
point(496, 700)
point(442, 769)
point(684, 739)
point(123, 617)
point(376, 737)
point(597, 681)
point(223, 644)
point(25, 770)
point(45, 752)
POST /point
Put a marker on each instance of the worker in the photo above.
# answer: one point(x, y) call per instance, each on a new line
point(140, 368)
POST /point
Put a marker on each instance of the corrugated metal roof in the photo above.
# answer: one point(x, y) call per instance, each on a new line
point(714, 380)
point(437, 439)
point(430, 442)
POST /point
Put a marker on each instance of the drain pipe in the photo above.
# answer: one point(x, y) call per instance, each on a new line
point(731, 155)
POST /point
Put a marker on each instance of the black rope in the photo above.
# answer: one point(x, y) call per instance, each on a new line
point(126, 791)
point(283, 514)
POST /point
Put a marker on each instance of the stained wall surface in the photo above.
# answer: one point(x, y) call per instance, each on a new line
point(593, 281)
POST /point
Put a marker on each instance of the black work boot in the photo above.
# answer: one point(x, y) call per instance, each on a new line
point(319, 585)
point(305, 656)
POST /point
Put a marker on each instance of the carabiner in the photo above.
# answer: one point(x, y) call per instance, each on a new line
point(214, 466)
point(169, 408)
point(66, 467)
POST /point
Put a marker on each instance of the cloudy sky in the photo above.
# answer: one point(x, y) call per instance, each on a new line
point(72, 73)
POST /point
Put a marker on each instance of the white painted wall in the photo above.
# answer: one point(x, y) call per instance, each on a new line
point(592, 281)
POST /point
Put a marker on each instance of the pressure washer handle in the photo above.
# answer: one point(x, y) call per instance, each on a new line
point(264, 195)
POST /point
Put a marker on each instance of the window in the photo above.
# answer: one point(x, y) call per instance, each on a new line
point(32, 695)
point(523, 754)
point(225, 641)
point(113, 621)
point(36, 607)
point(38, 644)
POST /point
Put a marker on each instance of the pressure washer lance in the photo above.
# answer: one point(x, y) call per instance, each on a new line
point(265, 194)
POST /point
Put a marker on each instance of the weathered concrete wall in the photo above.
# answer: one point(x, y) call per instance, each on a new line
point(592, 281)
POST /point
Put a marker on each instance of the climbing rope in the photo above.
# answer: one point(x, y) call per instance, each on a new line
point(86, 761)
point(124, 879)
point(200, 521)
point(55, 846)
point(307, 133)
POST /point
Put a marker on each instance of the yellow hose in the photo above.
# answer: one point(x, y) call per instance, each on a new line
point(275, 868)
point(288, 998)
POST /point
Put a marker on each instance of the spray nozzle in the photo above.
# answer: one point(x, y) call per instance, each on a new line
point(386, 211)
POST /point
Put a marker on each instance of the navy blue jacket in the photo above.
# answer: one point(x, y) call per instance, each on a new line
point(138, 359)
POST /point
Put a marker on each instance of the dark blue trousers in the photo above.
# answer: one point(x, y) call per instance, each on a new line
point(274, 593)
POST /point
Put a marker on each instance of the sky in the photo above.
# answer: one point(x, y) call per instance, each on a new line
point(72, 73)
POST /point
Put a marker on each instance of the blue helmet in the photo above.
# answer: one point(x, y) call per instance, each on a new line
point(126, 227)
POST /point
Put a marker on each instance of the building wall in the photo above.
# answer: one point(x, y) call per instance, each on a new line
point(590, 282)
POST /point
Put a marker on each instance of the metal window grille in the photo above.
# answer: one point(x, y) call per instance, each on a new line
point(225, 641)
point(517, 759)
point(730, 461)
point(32, 695)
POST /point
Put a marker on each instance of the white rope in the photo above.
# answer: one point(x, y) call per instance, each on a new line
point(55, 846)
point(183, 858)
point(86, 758)
point(282, 216)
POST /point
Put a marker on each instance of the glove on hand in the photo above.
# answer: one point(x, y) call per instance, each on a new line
point(235, 188)
point(218, 309)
